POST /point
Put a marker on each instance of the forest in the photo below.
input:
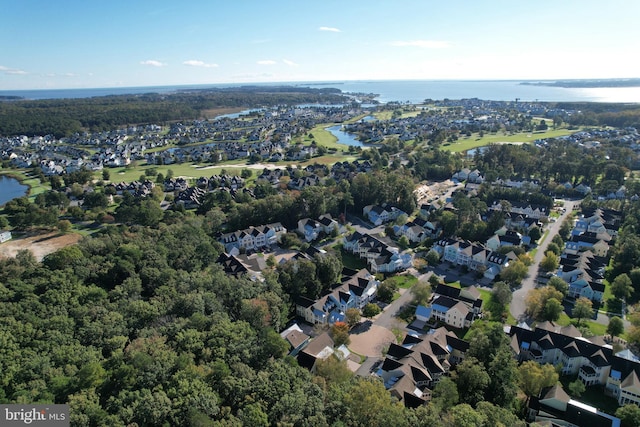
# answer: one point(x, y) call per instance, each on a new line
point(64, 117)
point(140, 325)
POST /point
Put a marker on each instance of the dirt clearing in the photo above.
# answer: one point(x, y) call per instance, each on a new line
point(40, 244)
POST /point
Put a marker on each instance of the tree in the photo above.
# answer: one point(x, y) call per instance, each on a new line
point(576, 388)
point(621, 287)
point(105, 174)
point(421, 293)
point(559, 284)
point(533, 377)
point(497, 416)
point(503, 371)
point(552, 310)
point(464, 415)
point(629, 415)
point(535, 234)
point(445, 394)
point(368, 403)
point(340, 333)
point(550, 262)
point(386, 290)
point(472, 381)
point(615, 326)
point(536, 300)
point(333, 370)
point(64, 225)
point(514, 273)
point(501, 293)
point(352, 316)
point(371, 310)
point(432, 258)
point(583, 309)
point(554, 248)
point(403, 242)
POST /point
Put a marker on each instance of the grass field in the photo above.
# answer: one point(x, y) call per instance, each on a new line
point(325, 138)
point(474, 141)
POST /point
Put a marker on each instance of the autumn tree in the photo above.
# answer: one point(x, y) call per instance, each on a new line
point(537, 299)
point(340, 333)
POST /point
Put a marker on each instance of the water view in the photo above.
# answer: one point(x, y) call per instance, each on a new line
point(345, 138)
point(10, 188)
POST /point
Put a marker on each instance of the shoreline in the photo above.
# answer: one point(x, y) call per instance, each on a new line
point(21, 180)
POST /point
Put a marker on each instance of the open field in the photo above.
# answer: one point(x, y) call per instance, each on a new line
point(40, 244)
point(474, 141)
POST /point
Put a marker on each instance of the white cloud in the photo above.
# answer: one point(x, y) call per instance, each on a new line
point(267, 62)
point(427, 44)
point(330, 29)
point(13, 71)
point(196, 63)
point(289, 63)
point(153, 63)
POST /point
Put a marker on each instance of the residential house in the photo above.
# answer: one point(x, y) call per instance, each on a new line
point(509, 238)
point(411, 370)
point(253, 238)
point(242, 264)
point(596, 243)
point(309, 229)
point(593, 361)
point(380, 256)
point(296, 339)
point(356, 289)
point(584, 273)
point(319, 348)
point(328, 224)
point(379, 215)
point(454, 306)
point(554, 407)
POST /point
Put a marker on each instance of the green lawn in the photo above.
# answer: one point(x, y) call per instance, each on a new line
point(325, 138)
point(405, 281)
point(474, 141)
point(350, 260)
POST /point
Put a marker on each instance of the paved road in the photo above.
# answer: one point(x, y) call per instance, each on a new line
point(387, 319)
point(518, 306)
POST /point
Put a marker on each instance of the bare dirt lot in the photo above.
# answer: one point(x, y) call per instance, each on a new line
point(40, 244)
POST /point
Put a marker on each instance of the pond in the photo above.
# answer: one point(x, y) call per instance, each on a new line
point(11, 188)
point(345, 138)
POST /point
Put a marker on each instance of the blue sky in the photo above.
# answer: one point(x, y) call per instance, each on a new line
point(89, 43)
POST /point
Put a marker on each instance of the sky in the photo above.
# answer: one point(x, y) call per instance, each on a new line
point(114, 43)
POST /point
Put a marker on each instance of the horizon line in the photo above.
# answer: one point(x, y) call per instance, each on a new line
point(321, 82)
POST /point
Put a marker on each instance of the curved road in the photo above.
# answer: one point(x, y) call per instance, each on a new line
point(518, 306)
